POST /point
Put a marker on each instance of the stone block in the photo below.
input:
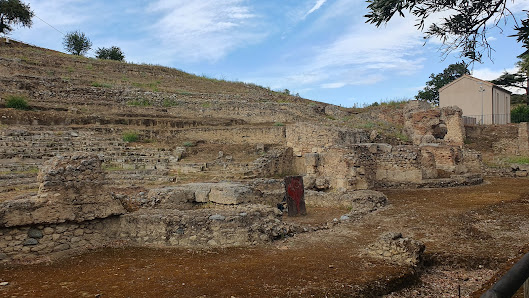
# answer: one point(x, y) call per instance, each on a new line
point(35, 233)
point(230, 194)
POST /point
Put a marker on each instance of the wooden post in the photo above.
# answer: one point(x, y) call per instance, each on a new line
point(526, 289)
point(295, 194)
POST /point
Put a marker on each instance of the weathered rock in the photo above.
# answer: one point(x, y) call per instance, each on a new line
point(230, 194)
point(34, 233)
point(72, 188)
point(217, 217)
point(30, 241)
point(394, 248)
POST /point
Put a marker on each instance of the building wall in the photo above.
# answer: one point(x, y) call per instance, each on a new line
point(465, 94)
point(501, 106)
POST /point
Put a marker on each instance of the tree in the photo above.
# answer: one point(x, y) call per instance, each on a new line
point(14, 12)
point(76, 43)
point(112, 53)
point(464, 29)
point(430, 93)
point(519, 79)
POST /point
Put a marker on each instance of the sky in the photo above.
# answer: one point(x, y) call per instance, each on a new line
point(321, 49)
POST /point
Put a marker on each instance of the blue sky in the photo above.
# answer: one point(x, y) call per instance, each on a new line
point(321, 49)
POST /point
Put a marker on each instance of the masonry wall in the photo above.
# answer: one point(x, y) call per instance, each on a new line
point(308, 138)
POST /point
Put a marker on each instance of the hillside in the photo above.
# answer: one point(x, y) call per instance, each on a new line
point(134, 157)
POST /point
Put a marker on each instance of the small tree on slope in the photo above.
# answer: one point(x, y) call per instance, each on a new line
point(77, 43)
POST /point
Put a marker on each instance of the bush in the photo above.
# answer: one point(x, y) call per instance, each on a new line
point(189, 144)
point(130, 137)
point(17, 102)
point(520, 114)
point(112, 53)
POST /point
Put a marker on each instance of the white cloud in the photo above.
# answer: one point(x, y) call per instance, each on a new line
point(316, 6)
point(361, 55)
point(488, 74)
point(333, 85)
point(518, 5)
point(203, 30)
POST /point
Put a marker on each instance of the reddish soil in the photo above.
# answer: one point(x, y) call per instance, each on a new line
point(470, 233)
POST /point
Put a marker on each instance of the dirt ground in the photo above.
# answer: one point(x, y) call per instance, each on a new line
point(470, 234)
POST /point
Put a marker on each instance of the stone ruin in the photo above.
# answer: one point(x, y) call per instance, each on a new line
point(79, 206)
point(75, 210)
point(344, 160)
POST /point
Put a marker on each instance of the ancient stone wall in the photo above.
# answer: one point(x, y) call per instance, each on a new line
point(71, 188)
point(367, 166)
point(275, 162)
point(75, 211)
point(440, 125)
point(509, 139)
point(28, 242)
point(236, 226)
point(312, 138)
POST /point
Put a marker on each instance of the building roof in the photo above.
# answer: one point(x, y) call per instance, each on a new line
point(474, 79)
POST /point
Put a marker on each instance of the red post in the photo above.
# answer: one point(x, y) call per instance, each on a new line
point(295, 194)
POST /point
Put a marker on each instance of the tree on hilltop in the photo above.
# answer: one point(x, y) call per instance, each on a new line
point(464, 29)
point(112, 53)
point(430, 93)
point(14, 12)
point(77, 43)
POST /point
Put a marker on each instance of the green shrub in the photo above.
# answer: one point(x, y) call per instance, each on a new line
point(130, 137)
point(188, 144)
point(17, 102)
point(279, 124)
point(170, 103)
point(520, 114)
point(140, 103)
point(112, 53)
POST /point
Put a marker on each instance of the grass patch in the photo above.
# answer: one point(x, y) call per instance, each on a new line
point(279, 124)
point(29, 61)
point(402, 137)
point(189, 144)
point(367, 125)
point(130, 137)
point(140, 103)
point(101, 85)
point(30, 170)
point(153, 86)
point(518, 159)
point(17, 102)
point(111, 167)
point(206, 105)
point(170, 103)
